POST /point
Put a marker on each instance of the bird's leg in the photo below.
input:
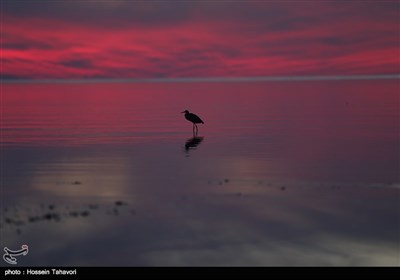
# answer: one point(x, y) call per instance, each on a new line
point(197, 129)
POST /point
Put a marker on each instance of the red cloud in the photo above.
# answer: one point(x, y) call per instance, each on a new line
point(329, 42)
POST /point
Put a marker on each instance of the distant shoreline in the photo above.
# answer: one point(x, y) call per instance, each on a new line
point(207, 79)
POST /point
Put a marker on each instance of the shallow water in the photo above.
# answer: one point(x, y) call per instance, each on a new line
point(281, 173)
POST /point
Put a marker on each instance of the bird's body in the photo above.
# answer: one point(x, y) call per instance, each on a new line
point(194, 119)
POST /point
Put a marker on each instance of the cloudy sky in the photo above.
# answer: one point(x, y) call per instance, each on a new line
point(197, 39)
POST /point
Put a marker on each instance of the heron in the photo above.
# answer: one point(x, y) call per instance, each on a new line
point(194, 119)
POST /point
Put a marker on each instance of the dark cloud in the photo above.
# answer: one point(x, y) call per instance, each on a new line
point(103, 13)
point(281, 15)
point(276, 15)
point(7, 76)
point(77, 63)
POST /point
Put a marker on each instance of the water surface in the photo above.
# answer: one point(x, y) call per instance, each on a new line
point(281, 173)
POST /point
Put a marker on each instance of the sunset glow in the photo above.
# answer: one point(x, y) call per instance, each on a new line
point(165, 39)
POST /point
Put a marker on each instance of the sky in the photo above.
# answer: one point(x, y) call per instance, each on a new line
point(198, 39)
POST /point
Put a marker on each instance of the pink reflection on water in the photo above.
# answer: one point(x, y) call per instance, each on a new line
point(77, 114)
point(315, 113)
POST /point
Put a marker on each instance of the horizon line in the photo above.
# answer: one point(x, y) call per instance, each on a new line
point(206, 79)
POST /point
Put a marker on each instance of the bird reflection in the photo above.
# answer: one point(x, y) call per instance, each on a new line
point(192, 143)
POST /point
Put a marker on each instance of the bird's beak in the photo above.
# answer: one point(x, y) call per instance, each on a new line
point(182, 112)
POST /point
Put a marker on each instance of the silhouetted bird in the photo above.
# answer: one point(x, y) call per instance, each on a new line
point(194, 119)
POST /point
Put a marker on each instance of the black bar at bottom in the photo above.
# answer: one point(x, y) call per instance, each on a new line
point(279, 272)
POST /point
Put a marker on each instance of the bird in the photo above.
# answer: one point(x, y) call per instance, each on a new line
point(194, 119)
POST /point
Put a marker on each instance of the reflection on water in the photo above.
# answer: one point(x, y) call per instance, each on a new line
point(290, 174)
point(192, 143)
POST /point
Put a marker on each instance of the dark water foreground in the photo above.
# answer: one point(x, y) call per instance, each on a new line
point(280, 174)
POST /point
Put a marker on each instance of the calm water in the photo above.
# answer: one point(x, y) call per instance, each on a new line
point(282, 173)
